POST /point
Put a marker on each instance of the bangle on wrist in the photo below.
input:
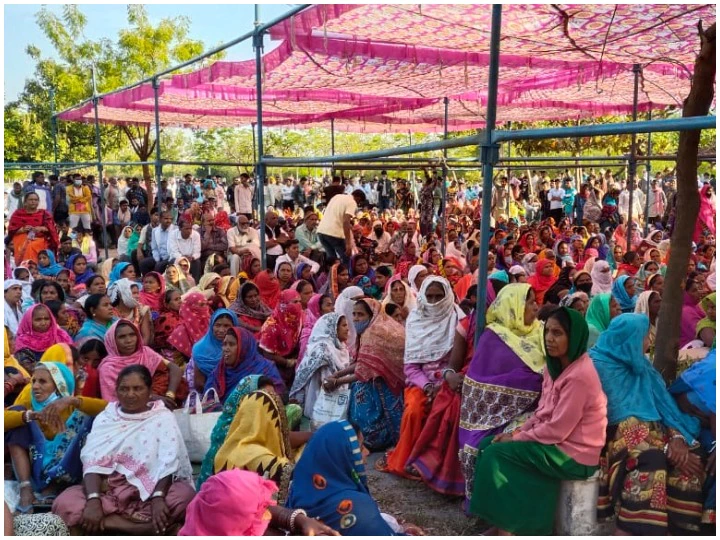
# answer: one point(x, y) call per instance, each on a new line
point(92, 496)
point(170, 394)
point(157, 494)
point(293, 518)
point(446, 371)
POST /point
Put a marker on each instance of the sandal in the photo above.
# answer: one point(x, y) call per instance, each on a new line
point(412, 473)
point(26, 508)
point(381, 464)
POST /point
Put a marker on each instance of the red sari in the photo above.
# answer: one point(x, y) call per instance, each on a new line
point(26, 248)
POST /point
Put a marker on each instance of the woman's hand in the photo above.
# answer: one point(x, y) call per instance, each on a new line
point(93, 517)
point(40, 229)
point(330, 384)
point(290, 363)
point(455, 381)
point(50, 415)
point(160, 514)
point(167, 400)
point(677, 453)
point(307, 526)
point(710, 467)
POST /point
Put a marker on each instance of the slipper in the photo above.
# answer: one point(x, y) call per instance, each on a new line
point(45, 499)
point(411, 473)
point(381, 464)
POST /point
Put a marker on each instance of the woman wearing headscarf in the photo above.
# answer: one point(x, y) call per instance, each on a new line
point(344, 304)
point(326, 354)
point(330, 482)
point(124, 295)
point(579, 301)
point(602, 309)
point(175, 279)
point(623, 292)
point(602, 279)
point(429, 337)
point(165, 324)
point(269, 288)
point(415, 277)
point(194, 324)
point(38, 331)
point(318, 306)
point(240, 358)
point(692, 313)
point(652, 469)
point(121, 270)
point(207, 286)
point(560, 288)
point(125, 347)
point(562, 440)
point(705, 329)
point(47, 265)
point(207, 351)
point(398, 292)
point(280, 334)
point(250, 309)
point(363, 275)
point(648, 304)
point(79, 266)
point(505, 371)
point(706, 216)
point(153, 291)
point(543, 279)
point(46, 427)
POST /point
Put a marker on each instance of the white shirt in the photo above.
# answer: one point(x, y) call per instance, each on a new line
point(332, 221)
point(638, 202)
point(275, 250)
point(12, 317)
point(287, 192)
point(300, 259)
point(181, 247)
point(238, 239)
point(243, 199)
point(554, 205)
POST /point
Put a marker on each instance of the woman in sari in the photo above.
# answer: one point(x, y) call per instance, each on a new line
point(648, 304)
point(602, 280)
point(284, 275)
point(240, 358)
point(338, 282)
point(47, 265)
point(194, 324)
point(269, 288)
point(705, 329)
point(250, 267)
point(280, 334)
point(124, 295)
point(503, 380)
point(330, 482)
point(208, 351)
point(175, 279)
point(120, 271)
point(46, 427)
point(602, 309)
point(251, 311)
point(326, 354)
point(651, 469)
point(135, 480)
point(363, 275)
point(562, 440)
point(207, 286)
point(692, 313)
point(99, 313)
point(543, 279)
point(153, 291)
point(623, 292)
point(125, 347)
point(318, 306)
point(37, 332)
point(79, 266)
point(399, 293)
point(429, 338)
point(31, 230)
point(165, 325)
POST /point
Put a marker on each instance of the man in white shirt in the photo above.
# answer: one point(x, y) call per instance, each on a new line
point(555, 197)
point(335, 230)
point(293, 257)
point(185, 242)
point(13, 303)
point(288, 203)
point(638, 203)
point(244, 192)
point(242, 239)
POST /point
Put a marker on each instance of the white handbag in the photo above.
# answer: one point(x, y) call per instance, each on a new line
point(197, 427)
point(330, 406)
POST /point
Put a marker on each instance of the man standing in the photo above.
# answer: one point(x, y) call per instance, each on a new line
point(185, 242)
point(335, 230)
point(299, 197)
point(185, 191)
point(14, 199)
point(385, 193)
point(242, 239)
point(164, 193)
point(137, 192)
point(335, 188)
point(638, 204)
point(500, 202)
point(112, 194)
point(60, 207)
point(287, 195)
point(79, 198)
point(213, 240)
point(657, 202)
point(243, 194)
point(555, 198)
point(39, 186)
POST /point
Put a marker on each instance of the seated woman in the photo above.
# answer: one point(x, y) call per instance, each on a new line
point(259, 439)
point(399, 294)
point(579, 301)
point(623, 292)
point(429, 337)
point(207, 286)
point(94, 285)
point(250, 266)
point(326, 354)
point(692, 313)
point(175, 279)
point(318, 306)
point(125, 347)
point(280, 335)
point(242, 503)
point(47, 265)
point(648, 304)
point(194, 324)
point(134, 481)
point(62, 315)
point(562, 440)
point(122, 270)
point(330, 482)
point(153, 292)
point(87, 379)
point(251, 311)
point(305, 290)
point(240, 358)
point(207, 352)
point(124, 295)
point(542, 279)
point(165, 324)
point(603, 308)
point(269, 288)
point(363, 276)
point(705, 330)
point(338, 282)
point(505, 373)
point(651, 472)
point(99, 313)
point(46, 427)
point(284, 275)
point(37, 332)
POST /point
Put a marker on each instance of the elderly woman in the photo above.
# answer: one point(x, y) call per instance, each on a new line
point(124, 295)
point(562, 440)
point(399, 294)
point(31, 230)
point(134, 481)
point(249, 307)
point(652, 470)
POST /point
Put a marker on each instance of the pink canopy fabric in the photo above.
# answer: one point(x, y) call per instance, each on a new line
point(389, 67)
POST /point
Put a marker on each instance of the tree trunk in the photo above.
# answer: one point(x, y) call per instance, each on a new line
point(140, 142)
point(688, 205)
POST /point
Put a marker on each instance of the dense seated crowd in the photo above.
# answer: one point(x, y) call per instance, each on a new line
point(358, 337)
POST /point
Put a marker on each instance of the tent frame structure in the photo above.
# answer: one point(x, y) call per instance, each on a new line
point(488, 141)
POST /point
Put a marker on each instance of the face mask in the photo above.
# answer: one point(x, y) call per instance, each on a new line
point(78, 183)
point(361, 326)
point(584, 287)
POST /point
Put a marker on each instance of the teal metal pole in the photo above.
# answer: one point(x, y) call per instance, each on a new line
point(53, 127)
point(443, 190)
point(489, 153)
point(648, 172)
point(98, 151)
point(260, 170)
point(332, 143)
point(158, 158)
point(632, 162)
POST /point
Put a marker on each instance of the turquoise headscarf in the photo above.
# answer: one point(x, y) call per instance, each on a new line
point(632, 385)
point(119, 269)
point(64, 381)
point(627, 303)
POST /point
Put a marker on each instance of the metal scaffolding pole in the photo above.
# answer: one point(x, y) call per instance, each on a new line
point(254, 147)
point(260, 170)
point(158, 159)
point(53, 127)
point(632, 162)
point(648, 172)
point(443, 190)
point(99, 163)
point(332, 144)
point(489, 153)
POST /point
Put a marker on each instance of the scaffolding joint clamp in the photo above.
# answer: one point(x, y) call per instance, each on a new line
point(258, 39)
point(489, 153)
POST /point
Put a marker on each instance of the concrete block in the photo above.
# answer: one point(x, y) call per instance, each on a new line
point(577, 507)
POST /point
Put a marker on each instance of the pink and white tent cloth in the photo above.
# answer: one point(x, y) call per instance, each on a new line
point(389, 67)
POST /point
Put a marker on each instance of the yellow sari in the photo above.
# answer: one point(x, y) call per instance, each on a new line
point(10, 360)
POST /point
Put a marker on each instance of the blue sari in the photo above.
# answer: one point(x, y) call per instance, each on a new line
point(627, 303)
point(377, 412)
point(52, 269)
point(92, 330)
point(207, 352)
point(329, 482)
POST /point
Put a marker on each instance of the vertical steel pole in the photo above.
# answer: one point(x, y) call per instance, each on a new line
point(99, 163)
point(443, 190)
point(252, 124)
point(53, 127)
point(648, 172)
point(260, 169)
point(632, 162)
point(332, 144)
point(158, 161)
point(488, 157)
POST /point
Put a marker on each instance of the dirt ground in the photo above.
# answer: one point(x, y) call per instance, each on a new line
point(414, 502)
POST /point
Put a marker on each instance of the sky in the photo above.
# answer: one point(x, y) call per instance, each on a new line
point(213, 24)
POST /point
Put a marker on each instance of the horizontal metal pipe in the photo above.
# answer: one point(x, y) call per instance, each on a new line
point(598, 130)
point(207, 54)
point(210, 163)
